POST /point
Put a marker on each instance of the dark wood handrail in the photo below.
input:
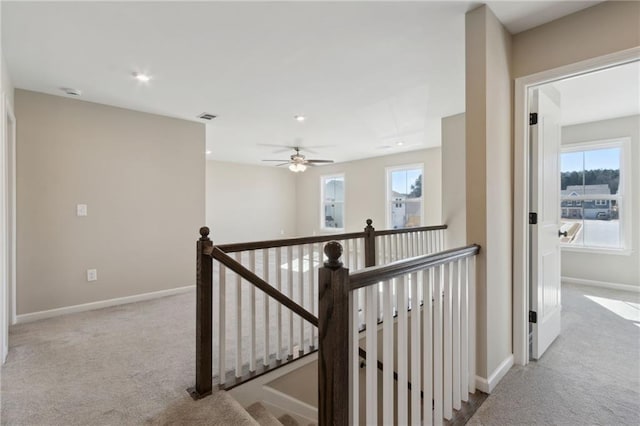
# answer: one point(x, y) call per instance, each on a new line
point(261, 284)
point(408, 230)
point(257, 245)
point(376, 274)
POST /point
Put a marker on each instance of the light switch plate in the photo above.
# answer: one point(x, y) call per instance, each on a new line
point(81, 209)
point(92, 275)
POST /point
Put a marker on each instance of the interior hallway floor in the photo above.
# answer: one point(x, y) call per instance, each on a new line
point(125, 365)
point(589, 376)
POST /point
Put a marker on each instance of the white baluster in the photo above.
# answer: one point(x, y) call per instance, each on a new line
point(472, 329)
point(437, 346)
point(290, 294)
point(238, 342)
point(427, 362)
point(372, 354)
point(448, 366)
point(347, 254)
point(354, 370)
point(388, 384)
point(415, 352)
point(464, 334)
point(265, 307)
point(301, 296)
point(456, 334)
point(312, 292)
point(403, 379)
point(279, 324)
point(222, 335)
point(252, 315)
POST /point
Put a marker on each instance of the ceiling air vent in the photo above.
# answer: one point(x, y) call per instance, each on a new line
point(207, 116)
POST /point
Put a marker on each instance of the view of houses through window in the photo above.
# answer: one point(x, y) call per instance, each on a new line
point(404, 191)
point(332, 202)
point(591, 196)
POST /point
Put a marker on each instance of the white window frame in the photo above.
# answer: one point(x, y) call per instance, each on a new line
point(323, 178)
point(388, 201)
point(623, 198)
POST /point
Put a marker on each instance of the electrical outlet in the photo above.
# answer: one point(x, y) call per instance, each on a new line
point(282, 232)
point(81, 210)
point(92, 275)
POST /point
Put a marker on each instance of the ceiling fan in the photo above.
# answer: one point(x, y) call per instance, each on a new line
point(298, 162)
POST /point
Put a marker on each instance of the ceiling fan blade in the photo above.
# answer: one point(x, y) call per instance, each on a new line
point(319, 161)
point(277, 160)
point(282, 164)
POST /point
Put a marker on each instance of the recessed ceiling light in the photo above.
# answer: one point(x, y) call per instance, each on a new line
point(208, 152)
point(142, 77)
point(400, 143)
point(299, 117)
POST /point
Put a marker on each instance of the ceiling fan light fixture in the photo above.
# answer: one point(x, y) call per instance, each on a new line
point(296, 167)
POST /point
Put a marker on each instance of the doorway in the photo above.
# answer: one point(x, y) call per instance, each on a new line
point(527, 237)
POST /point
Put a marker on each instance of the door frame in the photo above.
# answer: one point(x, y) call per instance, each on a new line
point(521, 184)
point(12, 207)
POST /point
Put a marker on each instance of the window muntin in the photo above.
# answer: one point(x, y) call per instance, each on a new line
point(332, 200)
point(404, 196)
point(592, 195)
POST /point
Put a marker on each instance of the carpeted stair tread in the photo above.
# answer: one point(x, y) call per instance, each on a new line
point(219, 409)
point(263, 416)
point(287, 420)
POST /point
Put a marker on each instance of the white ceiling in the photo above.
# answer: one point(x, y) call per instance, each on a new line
point(610, 93)
point(367, 75)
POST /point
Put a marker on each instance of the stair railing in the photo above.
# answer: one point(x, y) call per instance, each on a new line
point(433, 347)
point(234, 341)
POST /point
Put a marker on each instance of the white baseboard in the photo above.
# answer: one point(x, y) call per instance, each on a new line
point(34, 316)
point(488, 385)
point(603, 284)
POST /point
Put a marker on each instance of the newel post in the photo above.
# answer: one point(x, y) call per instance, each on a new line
point(204, 326)
point(369, 245)
point(333, 330)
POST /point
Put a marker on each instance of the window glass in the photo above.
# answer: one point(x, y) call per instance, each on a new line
point(591, 197)
point(333, 202)
point(405, 192)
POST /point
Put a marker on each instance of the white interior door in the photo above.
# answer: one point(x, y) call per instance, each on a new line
point(544, 294)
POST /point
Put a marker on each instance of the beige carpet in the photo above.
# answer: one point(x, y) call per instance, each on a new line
point(126, 365)
point(589, 376)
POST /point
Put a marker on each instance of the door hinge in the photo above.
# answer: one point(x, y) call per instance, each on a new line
point(533, 118)
point(533, 317)
point(533, 218)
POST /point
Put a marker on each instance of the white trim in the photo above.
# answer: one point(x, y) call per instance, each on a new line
point(323, 228)
point(596, 250)
point(12, 203)
point(35, 316)
point(488, 385)
point(602, 284)
point(289, 405)
point(259, 390)
point(521, 185)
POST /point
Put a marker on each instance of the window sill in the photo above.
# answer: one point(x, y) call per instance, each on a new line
point(596, 250)
point(332, 230)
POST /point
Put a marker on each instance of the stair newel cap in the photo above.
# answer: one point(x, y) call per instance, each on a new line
point(369, 225)
point(204, 234)
point(333, 250)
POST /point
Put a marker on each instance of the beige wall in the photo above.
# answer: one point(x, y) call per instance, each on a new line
point(454, 201)
point(617, 269)
point(249, 203)
point(608, 27)
point(489, 181)
point(142, 177)
point(365, 190)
